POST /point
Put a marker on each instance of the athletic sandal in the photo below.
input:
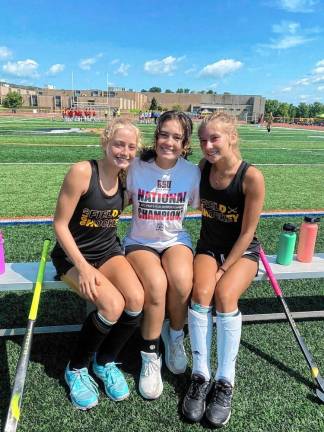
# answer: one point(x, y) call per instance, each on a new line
point(116, 387)
point(218, 410)
point(83, 388)
point(150, 382)
point(175, 354)
point(194, 403)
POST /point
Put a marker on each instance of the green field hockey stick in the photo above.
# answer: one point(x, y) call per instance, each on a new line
point(18, 386)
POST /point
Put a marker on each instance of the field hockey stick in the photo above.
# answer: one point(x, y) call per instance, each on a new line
point(21, 371)
point(308, 356)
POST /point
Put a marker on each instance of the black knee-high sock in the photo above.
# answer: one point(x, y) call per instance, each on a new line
point(115, 341)
point(151, 346)
point(91, 336)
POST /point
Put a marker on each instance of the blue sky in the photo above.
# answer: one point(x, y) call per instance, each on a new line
point(274, 48)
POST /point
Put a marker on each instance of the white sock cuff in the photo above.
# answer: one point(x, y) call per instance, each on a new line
point(234, 313)
point(200, 308)
point(132, 313)
point(105, 320)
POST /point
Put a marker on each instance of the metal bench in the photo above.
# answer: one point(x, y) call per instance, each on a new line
point(21, 277)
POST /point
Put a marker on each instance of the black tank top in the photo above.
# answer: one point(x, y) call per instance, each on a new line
point(93, 223)
point(222, 211)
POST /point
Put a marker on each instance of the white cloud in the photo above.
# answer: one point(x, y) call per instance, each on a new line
point(286, 27)
point(190, 70)
point(55, 69)
point(304, 81)
point(319, 67)
point(122, 70)
point(286, 89)
point(221, 68)
point(287, 42)
point(290, 35)
point(87, 63)
point(115, 61)
point(320, 88)
point(22, 68)
point(160, 67)
point(5, 52)
point(297, 5)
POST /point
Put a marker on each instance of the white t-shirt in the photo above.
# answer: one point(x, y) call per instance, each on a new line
point(160, 199)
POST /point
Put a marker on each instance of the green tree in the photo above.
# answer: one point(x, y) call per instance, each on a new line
point(186, 90)
point(155, 89)
point(315, 109)
point(143, 91)
point(292, 111)
point(154, 105)
point(13, 100)
point(303, 110)
point(168, 91)
point(210, 92)
point(283, 109)
point(180, 90)
point(272, 105)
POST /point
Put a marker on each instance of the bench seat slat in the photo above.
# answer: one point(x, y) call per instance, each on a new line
point(22, 276)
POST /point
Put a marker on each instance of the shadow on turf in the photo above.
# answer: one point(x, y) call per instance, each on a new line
point(270, 359)
point(268, 305)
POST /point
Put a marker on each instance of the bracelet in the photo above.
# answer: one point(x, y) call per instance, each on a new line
point(221, 268)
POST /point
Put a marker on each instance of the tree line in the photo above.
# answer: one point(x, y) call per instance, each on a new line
point(284, 109)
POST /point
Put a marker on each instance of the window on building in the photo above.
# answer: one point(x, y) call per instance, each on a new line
point(33, 101)
point(58, 102)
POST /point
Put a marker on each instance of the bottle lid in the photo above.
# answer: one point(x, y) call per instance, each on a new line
point(311, 219)
point(289, 227)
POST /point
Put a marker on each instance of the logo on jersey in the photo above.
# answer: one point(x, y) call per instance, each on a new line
point(161, 206)
point(163, 184)
point(99, 218)
point(213, 210)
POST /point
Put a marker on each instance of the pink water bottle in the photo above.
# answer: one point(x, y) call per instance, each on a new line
point(2, 254)
point(307, 239)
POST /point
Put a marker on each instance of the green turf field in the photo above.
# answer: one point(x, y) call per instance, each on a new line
point(273, 388)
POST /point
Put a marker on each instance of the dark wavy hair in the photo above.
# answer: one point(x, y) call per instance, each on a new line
point(149, 153)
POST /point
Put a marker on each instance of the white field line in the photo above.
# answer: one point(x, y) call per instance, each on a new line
point(282, 148)
point(72, 162)
point(52, 145)
point(290, 164)
point(37, 163)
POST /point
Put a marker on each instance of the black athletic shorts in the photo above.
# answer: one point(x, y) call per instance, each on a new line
point(63, 264)
point(252, 253)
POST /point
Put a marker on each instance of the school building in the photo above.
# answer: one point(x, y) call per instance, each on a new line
point(244, 107)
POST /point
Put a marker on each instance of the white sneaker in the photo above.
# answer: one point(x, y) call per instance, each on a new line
point(175, 354)
point(150, 382)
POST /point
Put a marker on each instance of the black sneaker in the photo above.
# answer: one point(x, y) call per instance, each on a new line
point(218, 410)
point(194, 403)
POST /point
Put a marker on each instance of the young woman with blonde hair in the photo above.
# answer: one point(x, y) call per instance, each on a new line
point(226, 262)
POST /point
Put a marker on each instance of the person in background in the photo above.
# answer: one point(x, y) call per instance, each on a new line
point(89, 258)
point(161, 184)
point(226, 262)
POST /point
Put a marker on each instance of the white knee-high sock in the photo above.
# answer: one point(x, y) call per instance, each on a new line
point(200, 330)
point(229, 327)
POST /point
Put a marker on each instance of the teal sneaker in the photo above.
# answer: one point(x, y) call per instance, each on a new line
point(115, 384)
point(83, 388)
